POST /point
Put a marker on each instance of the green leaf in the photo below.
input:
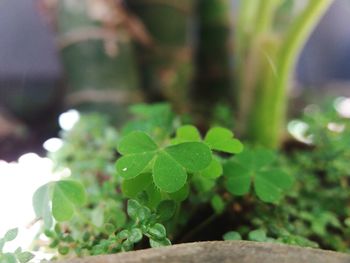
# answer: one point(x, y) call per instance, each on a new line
point(119, 218)
point(97, 216)
point(193, 156)
point(255, 166)
point(263, 157)
point(214, 170)
point(238, 178)
point(18, 250)
point(109, 228)
point(168, 174)
point(218, 204)
point(25, 257)
point(132, 208)
point(123, 234)
point(138, 150)
point(203, 184)
point(157, 231)
point(73, 191)
point(143, 213)
point(41, 204)
point(8, 258)
point(2, 243)
point(271, 185)
point(186, 133)
point(66, 195)
point(256, 159)
point(221, 139)
point(257, 235)
point(135, 235)
point(232, 235)
point(63, 250)
point(11, 234)
point(132, 187)
point(166, 210)
point(136, 142)
point(159, 243)
point(132, 165)
point(181, 194)
point(154, 195)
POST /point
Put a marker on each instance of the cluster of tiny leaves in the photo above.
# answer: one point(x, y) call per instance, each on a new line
point(253, 166)
point(13, 257)
point(142, 223)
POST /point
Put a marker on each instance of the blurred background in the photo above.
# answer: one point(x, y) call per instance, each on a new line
point(59, 58)
point(101, 55)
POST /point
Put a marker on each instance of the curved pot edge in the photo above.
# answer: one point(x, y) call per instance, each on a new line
point(222, 251)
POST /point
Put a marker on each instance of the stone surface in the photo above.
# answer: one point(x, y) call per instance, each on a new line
point(223, 252)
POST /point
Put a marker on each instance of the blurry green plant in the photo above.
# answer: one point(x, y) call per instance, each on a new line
point(316, 212)
point(266, 51)
point(18, 256)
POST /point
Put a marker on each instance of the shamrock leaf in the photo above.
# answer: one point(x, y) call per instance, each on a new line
point(221, 139)
point(63, 195)
point(41, 204)
point(270, 185)
point(186, 133)
point(66, 195)
point(138, 150)
point(169, 166)
point(132, 187)
point(214, 170)
point(166, 210)
point(253, 167)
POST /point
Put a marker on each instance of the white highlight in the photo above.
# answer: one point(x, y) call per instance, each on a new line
point(53, 144)
point(342, 106)
point(68, 119)
point(298, 129)
point(336, 127)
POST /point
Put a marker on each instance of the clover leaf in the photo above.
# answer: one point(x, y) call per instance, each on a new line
point(186, 133)
point(221, 139)
point(63, 196)
point(138, 149)
point(254, 167)
point(172, 164)
point(169, 166)
point(217, 138)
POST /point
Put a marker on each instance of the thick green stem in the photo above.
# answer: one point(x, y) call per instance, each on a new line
point(274, 58)
point(288, 56)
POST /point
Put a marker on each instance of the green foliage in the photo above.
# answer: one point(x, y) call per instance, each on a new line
point(63, 196)
point(164, 169)
point(254, 166)
point(232, 235)
point(18, 256)
point(176, 176)
point(169, 166)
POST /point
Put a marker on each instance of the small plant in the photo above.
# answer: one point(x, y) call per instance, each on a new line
point(165, 173)
point(254, 167)
point(18, 256)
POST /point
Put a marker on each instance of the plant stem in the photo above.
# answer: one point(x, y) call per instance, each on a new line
point(269, 62)
point(289, 53)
